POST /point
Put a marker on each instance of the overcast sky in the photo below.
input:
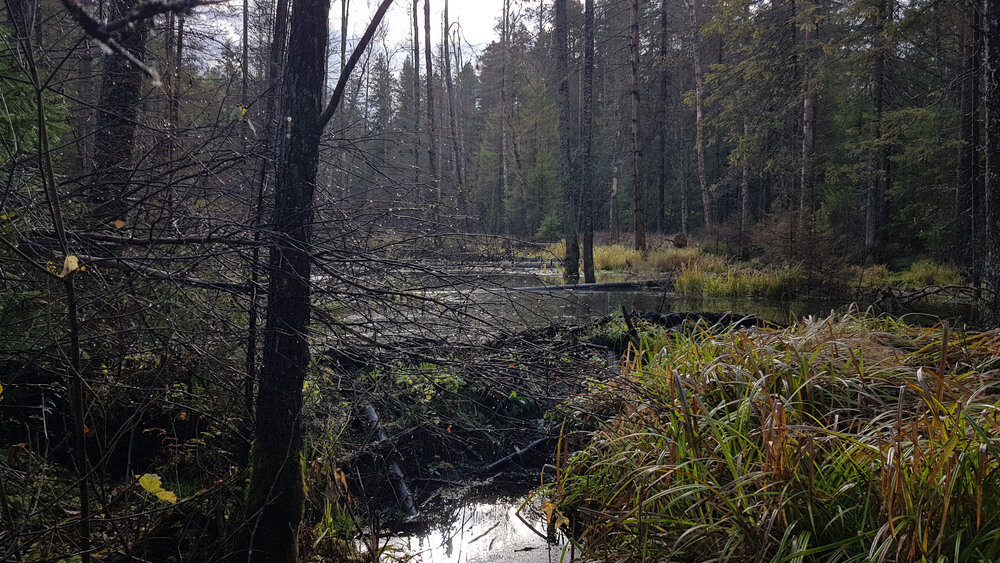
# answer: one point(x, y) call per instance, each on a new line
point(477, 19)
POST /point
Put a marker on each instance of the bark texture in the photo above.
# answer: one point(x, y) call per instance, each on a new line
point(276, 490)
point(571, 264)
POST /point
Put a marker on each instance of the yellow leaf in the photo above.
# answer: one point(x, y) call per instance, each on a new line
point(119, 224)
point(151, 483)
point(1, 392)
point(167, 496)
point(71, 264)
point(553, 516)
point(548, 508)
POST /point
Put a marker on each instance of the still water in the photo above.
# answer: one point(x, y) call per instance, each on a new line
point(477, 527)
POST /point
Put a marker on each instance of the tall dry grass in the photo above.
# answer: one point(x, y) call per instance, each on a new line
point(848, 438)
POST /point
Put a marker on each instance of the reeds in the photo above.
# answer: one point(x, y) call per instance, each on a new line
point(844, 438)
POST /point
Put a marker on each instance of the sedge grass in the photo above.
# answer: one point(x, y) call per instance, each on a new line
point(776, 283)
point(838, 439)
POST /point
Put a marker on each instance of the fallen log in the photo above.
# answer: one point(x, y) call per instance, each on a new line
point(608, 286)
point(403, 493)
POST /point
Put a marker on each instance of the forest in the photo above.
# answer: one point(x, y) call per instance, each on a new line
point(499, 280)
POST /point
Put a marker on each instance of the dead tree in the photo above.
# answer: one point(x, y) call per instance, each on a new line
point(452, 118)
point(699, 107)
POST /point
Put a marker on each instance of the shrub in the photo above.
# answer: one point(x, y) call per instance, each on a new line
point(875, 277)
point(691, 282)
point(557, 249)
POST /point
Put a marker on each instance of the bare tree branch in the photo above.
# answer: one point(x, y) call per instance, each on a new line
point(103, 32)
point(338, 92)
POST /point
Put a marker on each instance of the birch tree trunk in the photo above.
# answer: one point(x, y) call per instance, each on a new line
point(875, 200)
point(744, 188)
point(501, 188)
point(808, 125)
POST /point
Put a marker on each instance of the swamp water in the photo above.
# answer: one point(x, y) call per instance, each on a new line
point(475, 525)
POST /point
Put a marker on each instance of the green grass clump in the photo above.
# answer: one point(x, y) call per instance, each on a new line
point(876, 277)
point(839, 439)
point(926, 272)
point(616, 257)
point(777, 283)
point(669, 259)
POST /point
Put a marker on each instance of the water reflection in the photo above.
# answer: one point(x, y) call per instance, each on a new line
point(482, 531)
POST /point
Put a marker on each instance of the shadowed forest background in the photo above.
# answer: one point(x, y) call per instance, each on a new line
point(277, 275)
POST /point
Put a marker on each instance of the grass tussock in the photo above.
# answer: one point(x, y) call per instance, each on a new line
point(668, 259)
point(618, 257)
point(925, 273)
point(848, 438)
point(776, 283)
